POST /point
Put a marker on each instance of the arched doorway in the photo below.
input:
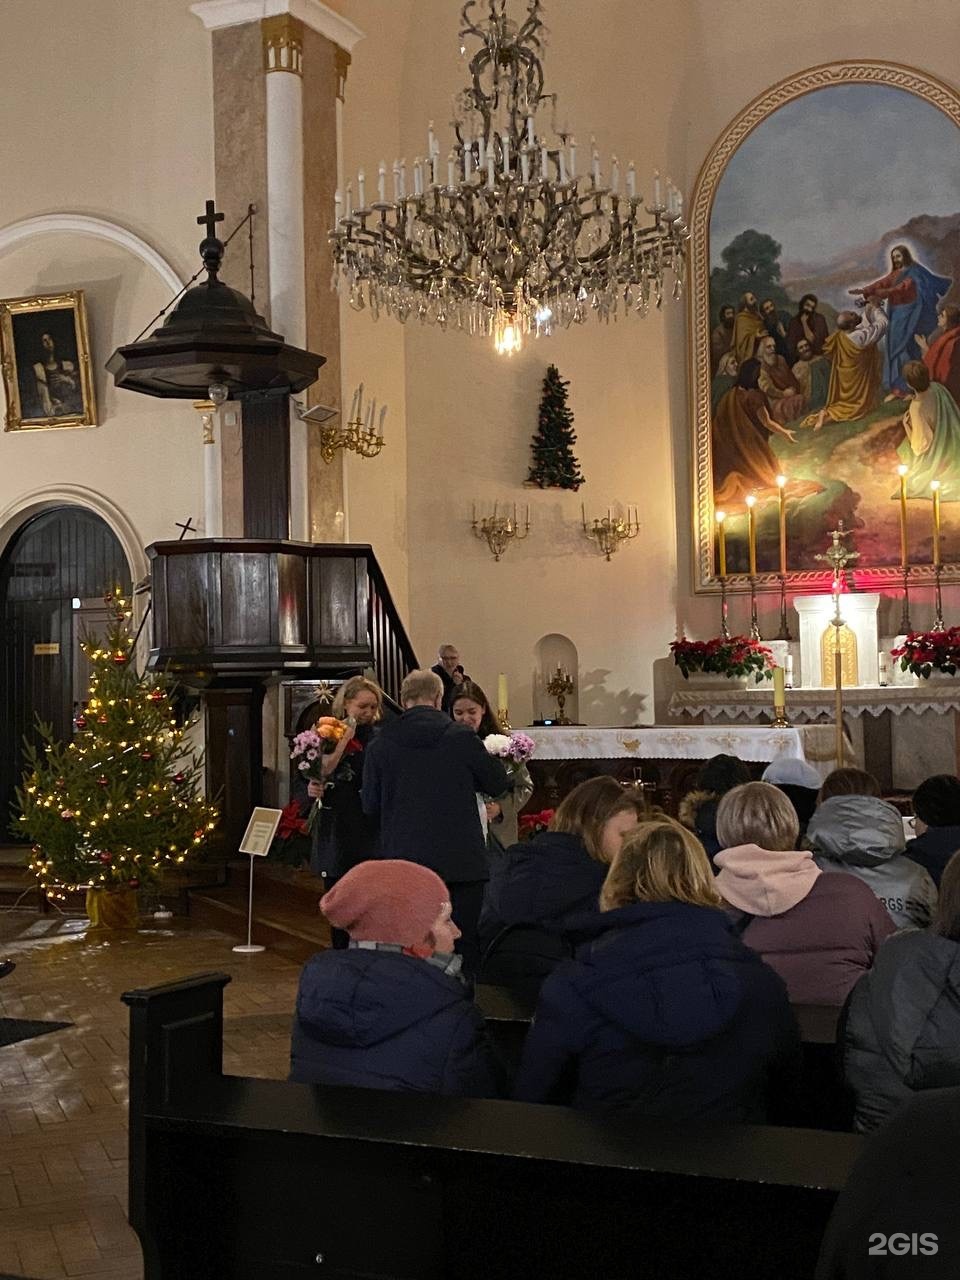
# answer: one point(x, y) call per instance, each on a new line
point(54, 574)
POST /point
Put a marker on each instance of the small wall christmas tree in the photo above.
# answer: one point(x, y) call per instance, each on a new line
point(555, 465)
point(120, 801)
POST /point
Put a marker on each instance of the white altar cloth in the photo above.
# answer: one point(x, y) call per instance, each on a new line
point(740, 702)
point(814, 743)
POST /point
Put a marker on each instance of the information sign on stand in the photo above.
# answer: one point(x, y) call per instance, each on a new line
point(256, 843)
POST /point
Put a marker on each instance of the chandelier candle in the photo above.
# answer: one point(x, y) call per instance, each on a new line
point(522, 245)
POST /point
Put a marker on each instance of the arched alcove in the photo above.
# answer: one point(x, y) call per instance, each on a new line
point(54, 572)
point(552, 651)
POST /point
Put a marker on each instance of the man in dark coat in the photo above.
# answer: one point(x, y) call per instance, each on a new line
point(451, 673)
point(422, 778)
point(391, 1011)
point(936, 805)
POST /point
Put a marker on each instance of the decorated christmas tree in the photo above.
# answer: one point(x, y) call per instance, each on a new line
point(555, 465)
point(122, 800)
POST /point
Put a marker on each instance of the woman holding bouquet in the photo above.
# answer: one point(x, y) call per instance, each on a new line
point(470, 707)
point(343, 835)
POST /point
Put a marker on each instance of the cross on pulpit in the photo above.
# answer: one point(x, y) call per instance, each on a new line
point(210, 218)
point(186, 528)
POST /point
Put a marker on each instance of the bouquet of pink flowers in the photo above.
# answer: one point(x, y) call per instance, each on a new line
point(513, 748)
point(308, 748)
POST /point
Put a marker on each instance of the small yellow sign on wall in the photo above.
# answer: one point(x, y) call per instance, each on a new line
point(41, 650)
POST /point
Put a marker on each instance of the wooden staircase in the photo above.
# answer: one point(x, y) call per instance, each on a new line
point(286, 915)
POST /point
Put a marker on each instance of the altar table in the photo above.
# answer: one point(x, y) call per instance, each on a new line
point(664, 759)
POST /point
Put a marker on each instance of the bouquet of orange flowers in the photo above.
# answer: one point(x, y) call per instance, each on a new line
point(309, 747)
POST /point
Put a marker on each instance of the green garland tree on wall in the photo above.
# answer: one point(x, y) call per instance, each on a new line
point(122, 799)
point(555, 465)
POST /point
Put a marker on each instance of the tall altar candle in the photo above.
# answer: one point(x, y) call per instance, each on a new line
point(502, 703)
point(782, 488)
point(902, 473)
point(722, 543)
point(752, 533)
point(935, 486)
point(779, 697)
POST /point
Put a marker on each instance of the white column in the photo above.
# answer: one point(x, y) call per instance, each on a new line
point(212, 491)
point(283, 54)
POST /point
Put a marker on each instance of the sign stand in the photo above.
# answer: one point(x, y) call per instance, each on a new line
point(256, 841)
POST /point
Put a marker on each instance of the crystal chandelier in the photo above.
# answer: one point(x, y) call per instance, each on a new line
point(505, 237)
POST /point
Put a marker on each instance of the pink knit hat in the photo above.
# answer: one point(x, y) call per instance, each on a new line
point(387, 900)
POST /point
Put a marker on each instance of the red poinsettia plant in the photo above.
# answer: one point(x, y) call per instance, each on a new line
point(926, 651)
point(733, 656)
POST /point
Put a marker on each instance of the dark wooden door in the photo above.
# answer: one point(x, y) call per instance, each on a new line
point(55, 563)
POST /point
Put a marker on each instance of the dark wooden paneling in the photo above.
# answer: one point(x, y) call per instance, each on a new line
point(292, 601)
point(266, 467)
point(234, 755)
point(247, 604)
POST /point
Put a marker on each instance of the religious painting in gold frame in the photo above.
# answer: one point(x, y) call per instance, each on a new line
point(811, 193)
point(45, 355)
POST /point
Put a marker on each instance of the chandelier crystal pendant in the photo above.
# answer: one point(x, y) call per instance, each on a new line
point(505, 237)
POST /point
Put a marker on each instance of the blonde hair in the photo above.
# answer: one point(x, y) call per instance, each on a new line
point(420, 688)
point(590, 806)
point(757, 813)
point(660, 862)
point(351, 689)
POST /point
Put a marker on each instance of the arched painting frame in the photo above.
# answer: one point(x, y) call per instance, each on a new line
point(809, 514)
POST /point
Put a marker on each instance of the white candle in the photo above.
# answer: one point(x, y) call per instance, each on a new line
point(349, 199)
point(482, 157)
point(430, 140)
point(383, 414)
point(382, 183)
point(416, 176)
point(544, 163)
point(403, 178)
point(530, 136)
point(632, 181)
point(337, 206)
point(396, 181)
point(467, 162)
point(353, 405)
point(505, 140)
point(525, 167)
point(436, 169)
point(615, 175)
point(656, 188)
point(596, 168)
point(361, 189)
point(788, 670)
point(451, 169)
point(491, 177)
point(573, 158)
point(563, 165)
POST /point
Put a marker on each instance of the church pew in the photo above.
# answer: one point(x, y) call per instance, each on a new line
point(261, 1180)
point(824, 1100)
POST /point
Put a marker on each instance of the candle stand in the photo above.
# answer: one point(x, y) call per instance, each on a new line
point(938, 624)
point(754, 624)
point(784, 632)
point(906, 626)
point(724, 629)
point(780, 720)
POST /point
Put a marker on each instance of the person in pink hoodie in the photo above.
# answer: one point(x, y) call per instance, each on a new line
point(819, 932)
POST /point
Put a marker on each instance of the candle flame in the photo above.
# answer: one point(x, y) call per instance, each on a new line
point(751, 499)
point(902, 469)
point(781, 481)
point(934, 485)
point(721, 516)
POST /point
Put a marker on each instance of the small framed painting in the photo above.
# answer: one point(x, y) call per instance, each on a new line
point(45, 353)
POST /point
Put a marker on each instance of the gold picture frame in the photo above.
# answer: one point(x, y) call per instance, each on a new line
point(874, 570)
point(45, 357)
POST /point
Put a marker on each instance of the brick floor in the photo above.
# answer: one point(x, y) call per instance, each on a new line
point(63, 1096)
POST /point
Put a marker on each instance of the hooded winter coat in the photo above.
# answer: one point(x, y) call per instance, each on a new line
point(386, 1020)
point(819, 932)
point(864, 835)
point(665, 1014)
point(902, 1025)
point(934, 849)
point(421, 777)
point(536, 891)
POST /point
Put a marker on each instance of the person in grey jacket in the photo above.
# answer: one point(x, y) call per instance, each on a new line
point(863, 835)
point(901, 1026)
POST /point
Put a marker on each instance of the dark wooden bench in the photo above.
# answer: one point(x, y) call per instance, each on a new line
point(245, 1179)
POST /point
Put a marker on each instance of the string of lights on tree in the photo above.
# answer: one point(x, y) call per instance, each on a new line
point(123, 799)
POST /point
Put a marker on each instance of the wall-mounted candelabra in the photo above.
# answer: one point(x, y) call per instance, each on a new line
point(610, 531)
point(498, 531)
point(360, 434)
